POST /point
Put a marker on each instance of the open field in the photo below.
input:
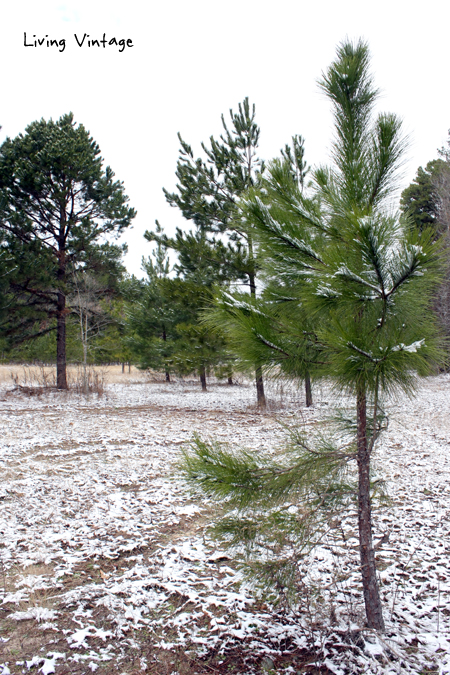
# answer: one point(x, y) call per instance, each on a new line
point(106, 565)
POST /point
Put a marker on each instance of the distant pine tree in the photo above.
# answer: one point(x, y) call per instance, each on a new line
point(165, 326)
point(208, 190)
point(420, 200)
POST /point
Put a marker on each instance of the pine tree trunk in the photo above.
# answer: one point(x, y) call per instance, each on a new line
point(308, 391)
point(123, 367)
point(203, 377)
point(84, 340)
point(230, 380)
point(260, 396)
point(61, 375)
point(164, 337)
point(372, 601)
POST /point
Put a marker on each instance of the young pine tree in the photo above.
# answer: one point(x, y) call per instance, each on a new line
point(152, 315)
point(175, 304)
point(368, 279)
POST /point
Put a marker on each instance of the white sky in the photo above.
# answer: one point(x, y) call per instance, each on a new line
point(196, 59)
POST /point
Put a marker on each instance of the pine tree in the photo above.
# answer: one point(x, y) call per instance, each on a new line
point(173, 306)
point(152, 314)
point(56, 201)
point(208, 190)
point(368, 282)
point(274, 329)
point(420, 200)
point(427, 204)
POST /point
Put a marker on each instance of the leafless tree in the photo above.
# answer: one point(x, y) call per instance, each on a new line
point(86, 303)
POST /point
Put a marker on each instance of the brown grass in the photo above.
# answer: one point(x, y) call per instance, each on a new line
point(39, 375)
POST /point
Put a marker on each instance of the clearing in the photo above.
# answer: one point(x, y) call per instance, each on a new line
point(105, 561)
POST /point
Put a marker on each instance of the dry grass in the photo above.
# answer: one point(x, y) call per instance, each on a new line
point(42, 375)
point(36, 376)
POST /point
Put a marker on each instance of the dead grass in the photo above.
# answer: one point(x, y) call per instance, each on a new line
point(28, 375)
point(16, 577)
point(42, 375)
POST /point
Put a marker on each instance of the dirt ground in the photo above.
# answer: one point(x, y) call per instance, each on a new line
point(107, 565)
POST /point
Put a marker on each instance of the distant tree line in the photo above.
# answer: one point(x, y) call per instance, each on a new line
point(66, 295)
point(427, 203)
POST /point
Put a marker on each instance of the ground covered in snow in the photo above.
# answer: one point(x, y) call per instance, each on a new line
point(106, 565)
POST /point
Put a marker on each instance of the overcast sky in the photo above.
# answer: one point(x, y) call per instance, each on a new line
point(192, 60)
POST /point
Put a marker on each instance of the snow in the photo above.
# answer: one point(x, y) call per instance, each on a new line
point(96, 522)
point(412, 348)
point(38, 613)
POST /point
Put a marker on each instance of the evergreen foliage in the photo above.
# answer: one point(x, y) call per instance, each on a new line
point(426, 202)
point(56, 202)
point(274, 329)
point(277, 507)
point(152, 316)
point(365, 278)
point(420, 200)
point(165, 332)
point(207, 193)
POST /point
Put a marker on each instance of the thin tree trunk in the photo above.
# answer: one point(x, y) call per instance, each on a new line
point(61, 375)
point(260, 396)
point(164, 337)
point(84, 338)
point(129, 366)
point(372, 601)
point(123, 367)
point(230, 376)
point(203, 377)
point(308, 391)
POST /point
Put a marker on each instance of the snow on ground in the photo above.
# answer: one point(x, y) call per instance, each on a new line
point(102, 545)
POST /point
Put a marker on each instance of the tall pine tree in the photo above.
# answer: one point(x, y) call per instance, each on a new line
point(274, 329)
point(368, 282)
point(56, 202)
point(208, 190)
